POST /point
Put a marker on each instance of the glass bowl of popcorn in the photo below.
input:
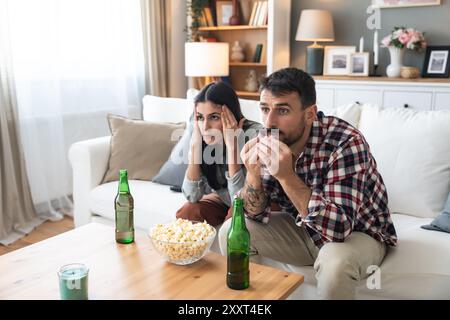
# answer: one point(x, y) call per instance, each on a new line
point(182, 241)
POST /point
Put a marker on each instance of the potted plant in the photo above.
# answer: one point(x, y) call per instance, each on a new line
point(195, 10)
point(400, 39)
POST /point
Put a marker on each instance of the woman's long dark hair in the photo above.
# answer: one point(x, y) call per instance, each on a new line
point(219, 93)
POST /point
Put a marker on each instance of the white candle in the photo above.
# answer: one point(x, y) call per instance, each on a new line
point(375, 48)
point(361, 44)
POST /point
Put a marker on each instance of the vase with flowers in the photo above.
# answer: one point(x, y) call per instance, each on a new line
point(400, 39)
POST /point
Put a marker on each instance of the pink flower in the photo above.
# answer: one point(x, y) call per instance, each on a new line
point(386, 41)
point(417, 41)
point(404, 38)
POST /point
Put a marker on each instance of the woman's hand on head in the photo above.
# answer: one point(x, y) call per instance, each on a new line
point(229, 126)
point(196, 141)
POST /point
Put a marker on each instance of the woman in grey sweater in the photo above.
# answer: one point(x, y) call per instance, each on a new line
point(215, 171)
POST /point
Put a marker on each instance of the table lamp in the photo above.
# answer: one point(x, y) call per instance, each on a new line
point(207, 59)
point(315, 25)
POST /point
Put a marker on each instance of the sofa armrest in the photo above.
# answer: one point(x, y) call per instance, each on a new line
point(89, 160)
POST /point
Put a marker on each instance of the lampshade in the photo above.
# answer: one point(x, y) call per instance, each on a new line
point(206, 59)
point(315, 25)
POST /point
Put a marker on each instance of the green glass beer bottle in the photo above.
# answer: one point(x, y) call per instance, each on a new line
point(124, 205)
point(238, 249)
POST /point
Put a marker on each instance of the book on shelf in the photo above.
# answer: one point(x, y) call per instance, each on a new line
point(202, 20)
point(212, 7)
point(252, 16)
point(260, 13)
point(266, 20)
point(258, 53)
point(263, 58)
point(208, 16)
point(263, 13)
point(257, 13)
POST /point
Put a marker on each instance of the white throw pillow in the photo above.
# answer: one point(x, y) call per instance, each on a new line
point(412, 151)
point(350, 112)
point(191, 93)
point(161, 109)
point(250, 110)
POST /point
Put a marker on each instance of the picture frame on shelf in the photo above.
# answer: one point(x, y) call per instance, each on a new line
point(224, 11)
point(437, 62)
point(337, 60)
point(359, 64)
point(404, 3)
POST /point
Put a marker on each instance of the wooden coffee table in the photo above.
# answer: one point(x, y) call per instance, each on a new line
point(134, 271)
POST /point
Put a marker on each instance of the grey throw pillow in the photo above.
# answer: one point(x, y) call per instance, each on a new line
point(442, 221)
point(173, 170)
point(141, 147)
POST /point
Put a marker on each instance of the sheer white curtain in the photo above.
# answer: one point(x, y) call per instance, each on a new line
point(156, 32)
point(74, 62)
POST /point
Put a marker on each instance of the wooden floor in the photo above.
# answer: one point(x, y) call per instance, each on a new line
point(46, 230)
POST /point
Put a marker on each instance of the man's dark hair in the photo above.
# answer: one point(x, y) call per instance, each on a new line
point(288, 80)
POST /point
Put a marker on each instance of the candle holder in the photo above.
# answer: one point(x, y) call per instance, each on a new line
point(375, 71)
point(73, 282)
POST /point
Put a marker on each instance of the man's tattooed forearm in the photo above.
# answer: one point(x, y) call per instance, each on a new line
point(255, 199)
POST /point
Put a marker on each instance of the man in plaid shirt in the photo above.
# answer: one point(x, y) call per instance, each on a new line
point(319, 174)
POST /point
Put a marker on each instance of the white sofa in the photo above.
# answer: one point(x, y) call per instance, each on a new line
point(418, 268)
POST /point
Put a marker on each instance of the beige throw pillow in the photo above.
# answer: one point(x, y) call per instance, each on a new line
point(141, 147)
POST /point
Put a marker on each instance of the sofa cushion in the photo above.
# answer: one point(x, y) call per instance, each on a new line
point(418, 261)
point(139, 146)
point(153, 203)
point(442, 221)
point(250, 110)
point(350, 112)
point(174, 169)
point(418, 250)
point(412, 153)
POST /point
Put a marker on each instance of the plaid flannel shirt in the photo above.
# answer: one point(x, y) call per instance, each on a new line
point(348, 193)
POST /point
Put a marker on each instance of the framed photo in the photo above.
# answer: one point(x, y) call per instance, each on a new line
point(224, 10)
point(404, 3)
point(359, 64)
point(437, 62)
point(337, 60)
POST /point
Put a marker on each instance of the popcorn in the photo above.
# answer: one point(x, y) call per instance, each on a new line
point(182, 241)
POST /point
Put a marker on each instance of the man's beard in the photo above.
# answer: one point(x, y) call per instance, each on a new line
point(287, 140)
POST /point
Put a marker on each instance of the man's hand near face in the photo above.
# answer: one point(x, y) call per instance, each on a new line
point(249, 156)
point(277, 157)
point(279, 161)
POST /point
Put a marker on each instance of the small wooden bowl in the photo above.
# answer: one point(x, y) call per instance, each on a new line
point(409, 72)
